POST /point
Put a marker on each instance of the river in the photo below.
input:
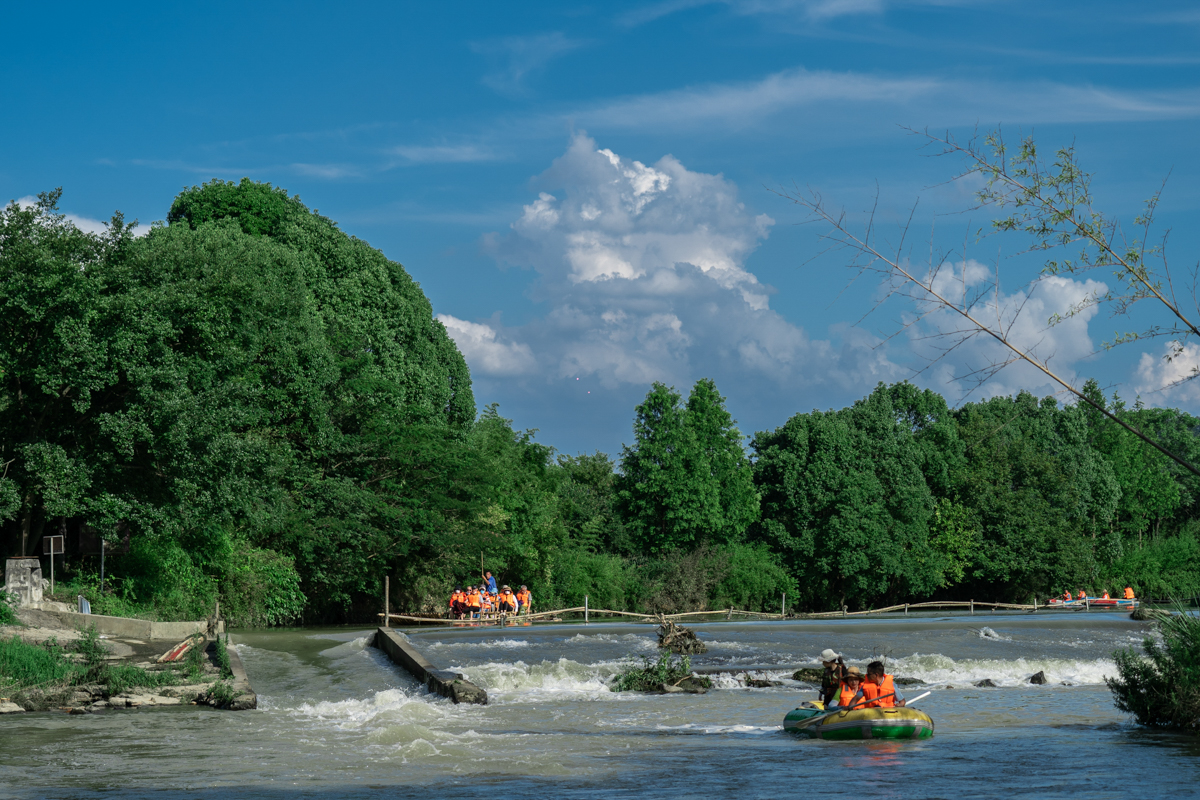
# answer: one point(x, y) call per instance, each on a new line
point(337, 719)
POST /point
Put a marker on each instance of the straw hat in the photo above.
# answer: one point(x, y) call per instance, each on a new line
point(854, 672)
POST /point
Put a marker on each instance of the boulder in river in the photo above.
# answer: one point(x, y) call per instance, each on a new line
point(809, 675)
point(679, 640)
point(759, 683)
point(908, 681)
point(1038, 679)
point(986, 683)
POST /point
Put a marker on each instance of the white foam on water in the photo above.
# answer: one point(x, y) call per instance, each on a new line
point(637, 642)
point(753, 730)
point(487, 644)
point(562, 679)
point(389, 706)
point(936, 668)
point(988, 633)
point(735, 646)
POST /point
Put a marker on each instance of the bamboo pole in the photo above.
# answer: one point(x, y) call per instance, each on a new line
point(387, 600)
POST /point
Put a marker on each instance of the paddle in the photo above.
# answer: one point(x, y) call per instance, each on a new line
point(915, 699)
point(819, 717)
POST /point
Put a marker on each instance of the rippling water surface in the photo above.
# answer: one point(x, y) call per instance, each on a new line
point(337, 719)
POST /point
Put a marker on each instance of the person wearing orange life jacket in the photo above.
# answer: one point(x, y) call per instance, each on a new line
point(1082, 595)
point(849, 688)
point(486, 605)
point(1105, 595)
point(458, 603)
point(1067, 595)
point(1129, 593)
point(878, 689)
point(473, 601)
point(508, 601)
point(524, 599)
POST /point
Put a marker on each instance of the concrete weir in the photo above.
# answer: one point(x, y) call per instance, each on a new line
point(440, 681)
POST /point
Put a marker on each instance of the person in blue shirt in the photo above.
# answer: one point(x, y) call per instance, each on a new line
point(491, 582)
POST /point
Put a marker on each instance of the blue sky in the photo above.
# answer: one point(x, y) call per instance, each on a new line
point(584, 191)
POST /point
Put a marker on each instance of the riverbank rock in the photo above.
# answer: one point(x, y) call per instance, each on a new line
point(1039, 679)
point(809, 675)
point(679, 640)
point(10, 708)
point(908, 681)
point(986, 683)
point(759, 683)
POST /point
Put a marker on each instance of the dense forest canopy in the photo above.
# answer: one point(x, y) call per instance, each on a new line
point(249, 405)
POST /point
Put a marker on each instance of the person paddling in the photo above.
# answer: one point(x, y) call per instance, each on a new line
point(1129, 593)
point(878, 684)
point(849, 688)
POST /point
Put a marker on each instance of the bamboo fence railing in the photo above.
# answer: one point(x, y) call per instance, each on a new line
point(729, 613)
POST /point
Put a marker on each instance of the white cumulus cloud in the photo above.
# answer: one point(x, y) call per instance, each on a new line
point(1024, 315)
point(1168, 377)
point(643, 269)
point(484, 350)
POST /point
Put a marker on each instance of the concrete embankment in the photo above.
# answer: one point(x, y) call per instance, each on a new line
point(439, 681)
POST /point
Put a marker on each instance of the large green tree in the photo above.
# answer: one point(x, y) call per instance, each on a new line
point(685, 480)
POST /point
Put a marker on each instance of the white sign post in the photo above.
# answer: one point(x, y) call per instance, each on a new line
point(52, 545)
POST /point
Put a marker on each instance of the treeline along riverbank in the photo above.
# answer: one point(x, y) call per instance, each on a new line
point(249, 405)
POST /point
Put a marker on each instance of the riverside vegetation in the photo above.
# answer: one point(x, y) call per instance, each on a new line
point(249, 405)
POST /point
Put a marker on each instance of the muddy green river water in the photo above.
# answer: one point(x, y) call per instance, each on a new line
point(337, 719)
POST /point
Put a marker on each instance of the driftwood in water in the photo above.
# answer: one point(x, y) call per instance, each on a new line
point(678, 639)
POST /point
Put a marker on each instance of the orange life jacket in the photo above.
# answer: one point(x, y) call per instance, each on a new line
point(524, 598)
point(1105, 596)
point(871, 690)
point(455, 597)
point(473, 599)
point(485, 601)
point(1128, 592)
point(846, 694)
point(1066, 595)
point(509, 601)
point(1082, 594)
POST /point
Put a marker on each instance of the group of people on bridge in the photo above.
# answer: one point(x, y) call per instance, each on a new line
point(845, 687)
point(1066, 596)
point(485, 600)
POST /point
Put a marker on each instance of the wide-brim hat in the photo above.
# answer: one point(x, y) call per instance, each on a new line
point(854, 672)
point(506, 586)
point(828, 655)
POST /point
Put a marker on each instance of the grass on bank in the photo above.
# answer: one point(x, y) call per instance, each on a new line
point(1161, 686)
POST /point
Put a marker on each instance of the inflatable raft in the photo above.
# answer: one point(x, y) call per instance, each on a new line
point(862, 723)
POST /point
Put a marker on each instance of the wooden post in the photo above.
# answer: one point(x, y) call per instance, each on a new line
point(1087, 604)
point(906, 609)
point(783, 606)
point(387, 601)
point(585, 609)
point(729, 613)
point(972, 607)
point(1035, 604)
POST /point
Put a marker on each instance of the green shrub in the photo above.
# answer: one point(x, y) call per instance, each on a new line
point(7, 615)
point(1161, 687)
point(92, 649)
point(193, 661)
point(260, 588)
point(755, 580)
point(223, 658)
point(649, 673)
point(220, 694)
